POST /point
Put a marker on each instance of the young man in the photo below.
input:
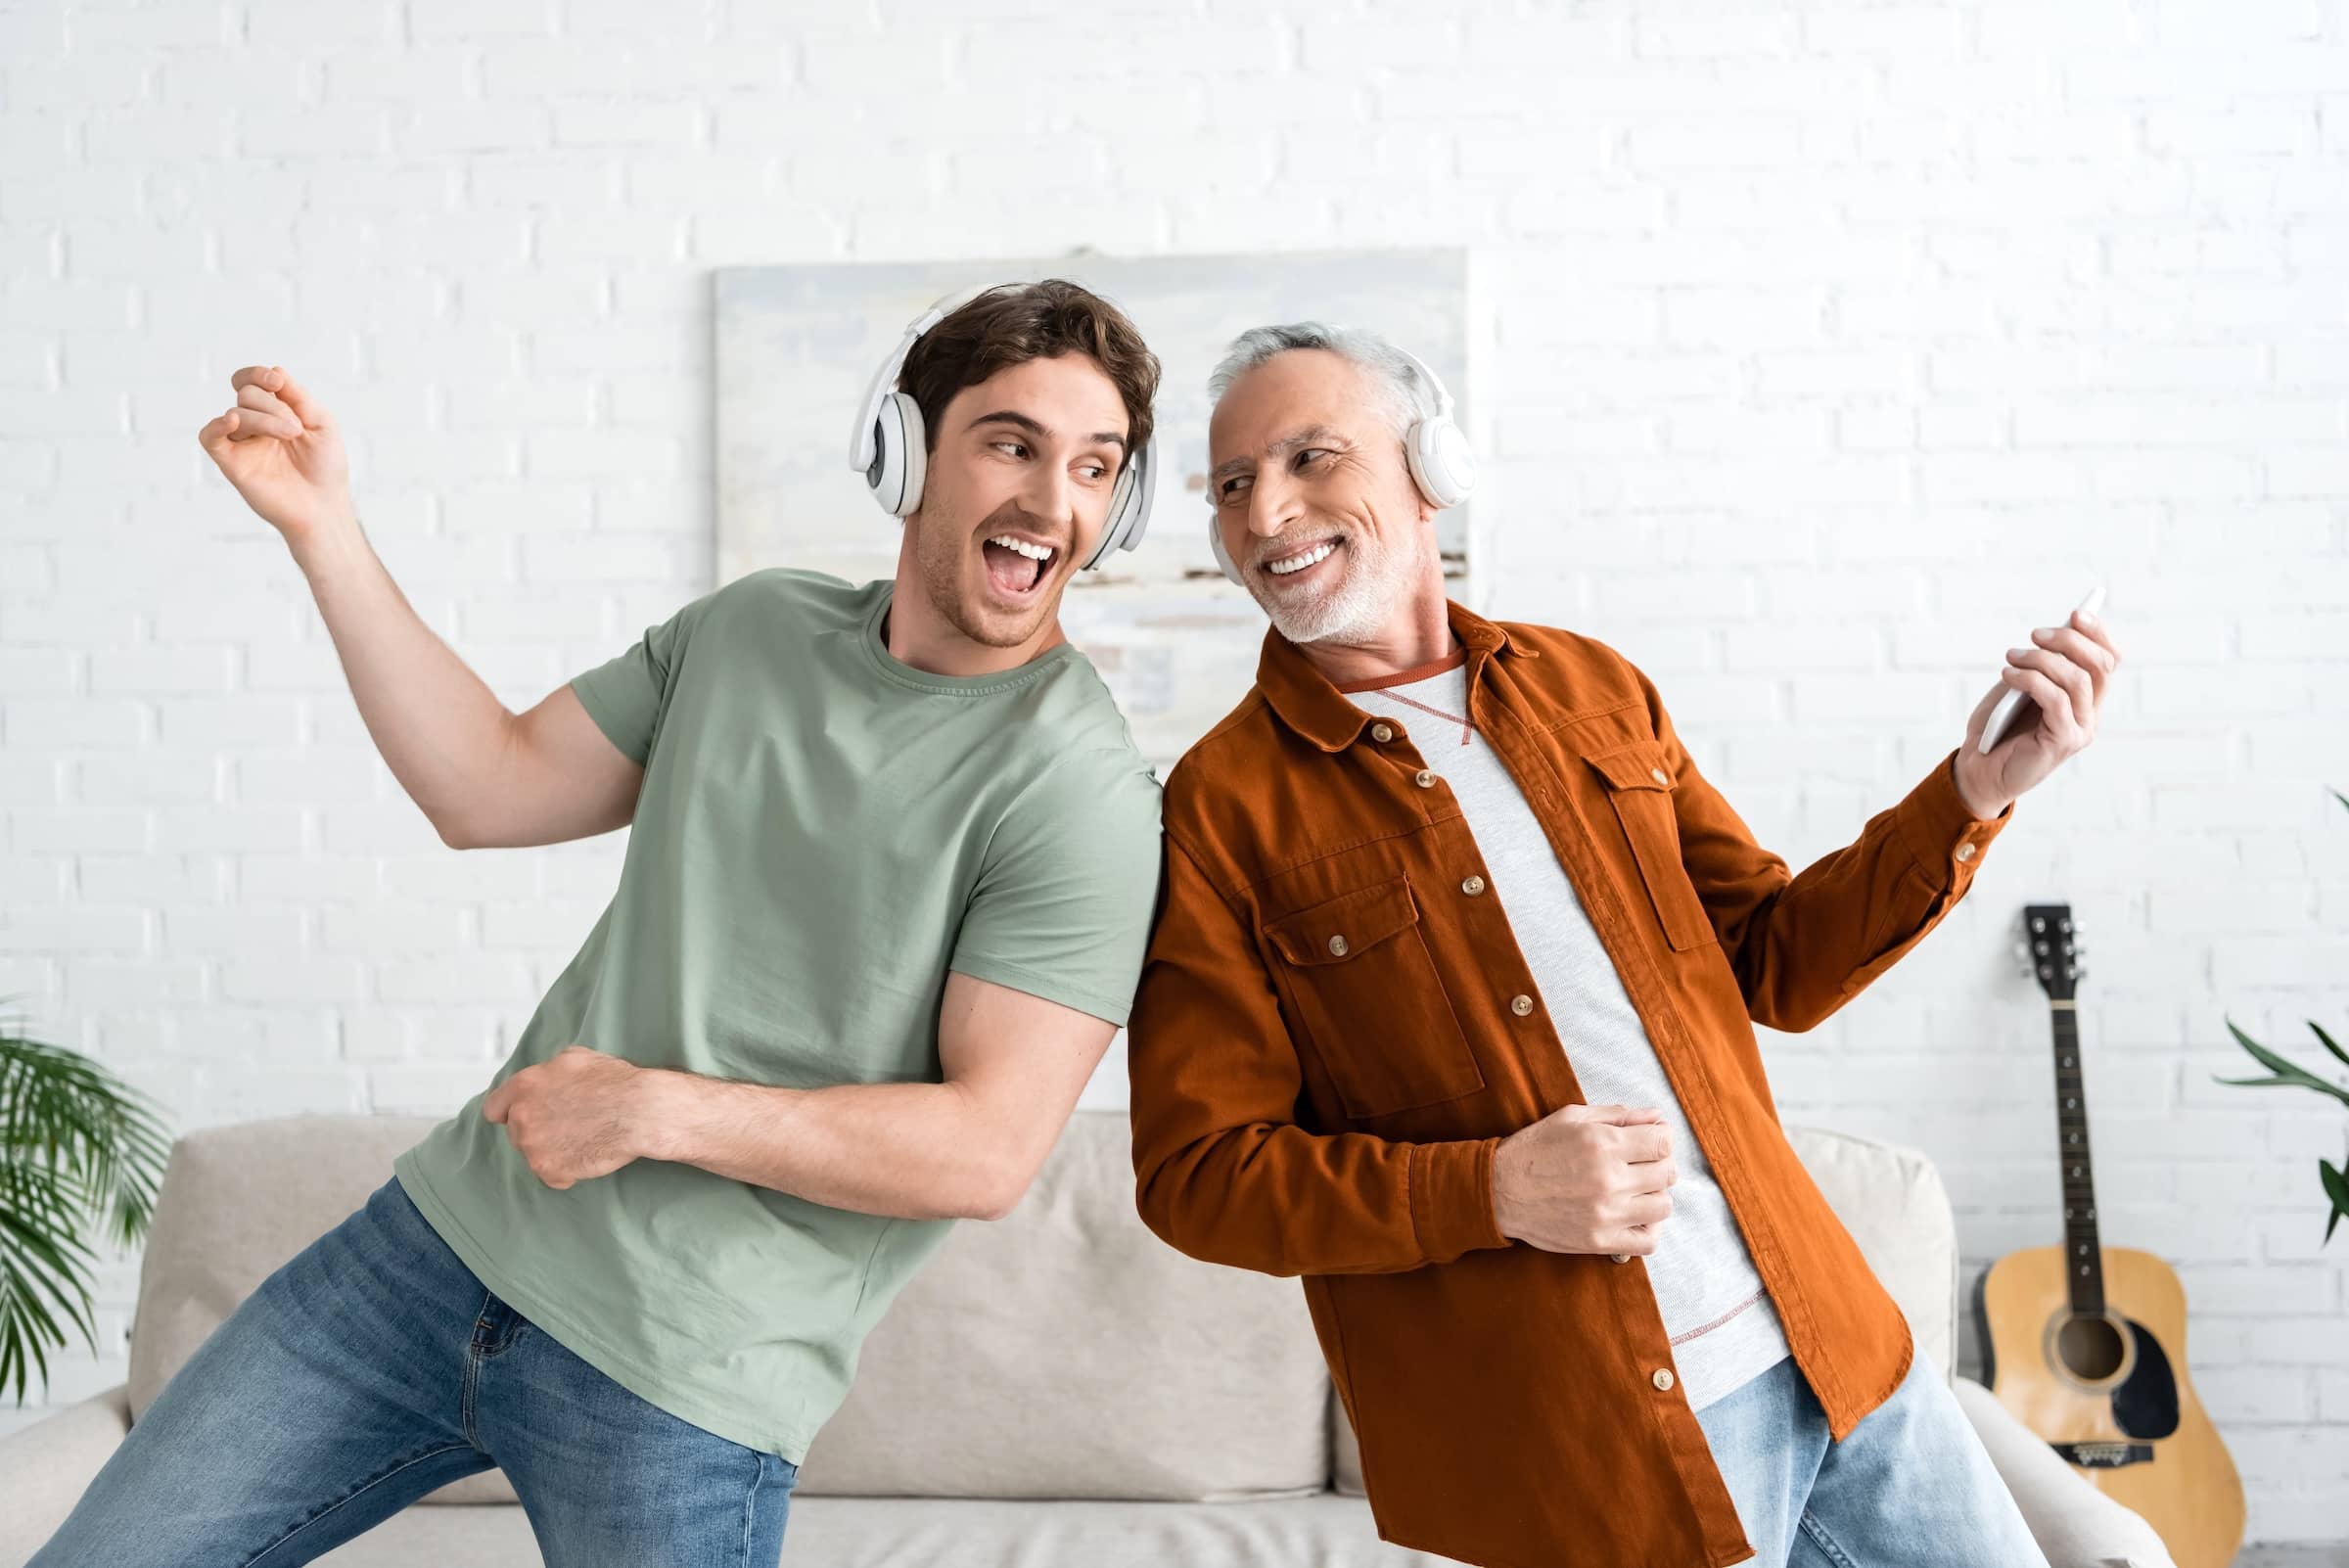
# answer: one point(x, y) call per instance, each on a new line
point(1448, 1011)
point(890, 874)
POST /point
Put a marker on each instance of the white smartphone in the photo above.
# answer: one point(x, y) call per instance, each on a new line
point(2014, 709)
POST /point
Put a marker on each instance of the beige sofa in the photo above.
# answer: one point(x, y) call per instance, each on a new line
point(1058, 1387)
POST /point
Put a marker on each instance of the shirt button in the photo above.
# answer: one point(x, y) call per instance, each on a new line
point(1663, 1378)
point(1966, 851)
point(1521, 1005)
point(1382, 732)
point(1659, 775)
point(1619, 1257)
point(1473, 886)
point(1337, 945)
point(1425, 778)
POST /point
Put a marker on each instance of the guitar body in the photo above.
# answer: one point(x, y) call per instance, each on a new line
point(2117, 1386)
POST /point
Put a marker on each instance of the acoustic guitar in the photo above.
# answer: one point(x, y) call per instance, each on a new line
point(2086, 1344)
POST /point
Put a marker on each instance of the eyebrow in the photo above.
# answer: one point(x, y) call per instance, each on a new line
point(1035, 427)
point(1286, 443)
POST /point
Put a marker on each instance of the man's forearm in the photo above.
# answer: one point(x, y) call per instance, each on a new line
point(911, 1151)
point(438, 726)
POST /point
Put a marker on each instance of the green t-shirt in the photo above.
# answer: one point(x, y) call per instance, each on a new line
point(824, 833)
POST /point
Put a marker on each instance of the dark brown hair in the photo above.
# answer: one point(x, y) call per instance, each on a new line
point(1013, 323)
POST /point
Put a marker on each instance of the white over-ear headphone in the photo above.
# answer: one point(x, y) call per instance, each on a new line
point(1442, 464)
point(890, 449)
point(1439, 456)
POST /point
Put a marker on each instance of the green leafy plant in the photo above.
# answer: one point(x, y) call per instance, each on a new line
point(78, 1151)
point(2282, 1072)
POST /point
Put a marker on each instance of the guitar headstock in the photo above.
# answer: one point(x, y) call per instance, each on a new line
point(2049, 949)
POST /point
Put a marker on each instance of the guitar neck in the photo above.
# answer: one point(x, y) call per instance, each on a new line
point(2083, 1256)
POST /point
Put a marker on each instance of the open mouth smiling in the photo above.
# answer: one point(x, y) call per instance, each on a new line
point(1017, 567)
point(1301, 561)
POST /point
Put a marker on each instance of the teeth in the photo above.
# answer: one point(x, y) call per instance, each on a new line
point(1034, 552)
point(1298, 563)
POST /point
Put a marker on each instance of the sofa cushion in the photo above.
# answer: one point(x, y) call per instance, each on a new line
point(1889, 1199)
point(1061, 1352)
point(1066, 1352)
point(237, 1202)
point(1892, 1201)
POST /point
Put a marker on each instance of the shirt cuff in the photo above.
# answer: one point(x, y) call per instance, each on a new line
point(1942, 835)
point(1451, 1198)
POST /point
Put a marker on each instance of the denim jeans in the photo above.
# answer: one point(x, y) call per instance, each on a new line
point(374, 1367)
point(1910, 1488)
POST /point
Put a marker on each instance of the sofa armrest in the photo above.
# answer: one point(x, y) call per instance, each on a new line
point(45, 1467)
point(2076, 1525)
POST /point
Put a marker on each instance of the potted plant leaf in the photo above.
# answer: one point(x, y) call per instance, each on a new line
point(2283, 1072)
point(80, 1154)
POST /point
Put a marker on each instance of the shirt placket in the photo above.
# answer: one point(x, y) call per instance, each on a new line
point(1458, 865)
point(1512, 742)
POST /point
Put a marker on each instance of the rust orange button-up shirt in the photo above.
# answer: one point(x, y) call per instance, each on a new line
point(1331, 1040)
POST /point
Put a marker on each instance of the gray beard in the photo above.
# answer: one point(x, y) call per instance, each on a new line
point(1356, 607)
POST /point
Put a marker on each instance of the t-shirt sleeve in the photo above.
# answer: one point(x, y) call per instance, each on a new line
point(626, 695)
point(1068, 889)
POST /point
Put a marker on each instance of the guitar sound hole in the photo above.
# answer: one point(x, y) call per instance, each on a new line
point(2090, 1348)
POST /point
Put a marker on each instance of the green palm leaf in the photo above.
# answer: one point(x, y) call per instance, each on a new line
point(77, 1149)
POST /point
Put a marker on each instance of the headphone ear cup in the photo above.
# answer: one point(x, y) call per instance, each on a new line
point(1128, 505)
point(1121, 518)
point(1215, 542)
point(1442, 463)
point(900, 455)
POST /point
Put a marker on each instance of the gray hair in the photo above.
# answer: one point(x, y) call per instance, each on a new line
point(1407, 397)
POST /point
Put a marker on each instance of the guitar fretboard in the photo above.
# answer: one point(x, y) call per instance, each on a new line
point(2083, 1256)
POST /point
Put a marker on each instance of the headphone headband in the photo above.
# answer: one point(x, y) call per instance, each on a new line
point(864, 439)
point(1434, 381)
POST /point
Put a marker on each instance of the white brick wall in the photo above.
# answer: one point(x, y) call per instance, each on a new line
point(1836, 346)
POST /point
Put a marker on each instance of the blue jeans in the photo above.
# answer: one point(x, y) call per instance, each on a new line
point(1910, 1488)
point(374, 1367)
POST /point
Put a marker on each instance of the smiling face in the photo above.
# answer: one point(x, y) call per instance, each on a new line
point(1314, 500)
point(1017, 493)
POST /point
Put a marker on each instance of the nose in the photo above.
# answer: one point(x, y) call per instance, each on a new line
point(1051, 495)
point(1273, 505)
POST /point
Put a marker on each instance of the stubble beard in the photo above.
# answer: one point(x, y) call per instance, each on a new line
point(943, 554)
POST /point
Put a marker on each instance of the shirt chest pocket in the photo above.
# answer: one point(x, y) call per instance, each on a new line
point(1639, 787)
point(1359, 981)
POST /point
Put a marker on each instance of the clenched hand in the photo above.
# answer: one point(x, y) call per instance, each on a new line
point(574, 1117)
point(1585, 1178)
point(282, 452)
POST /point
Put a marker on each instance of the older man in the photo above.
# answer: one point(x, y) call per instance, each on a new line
point(1448, 1011)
